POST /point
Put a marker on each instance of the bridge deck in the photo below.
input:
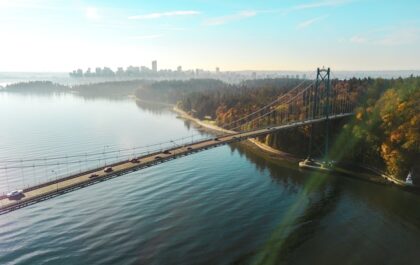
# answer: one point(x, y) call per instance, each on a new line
point(54, 188)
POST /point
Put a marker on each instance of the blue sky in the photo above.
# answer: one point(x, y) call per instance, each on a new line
point(56, 35)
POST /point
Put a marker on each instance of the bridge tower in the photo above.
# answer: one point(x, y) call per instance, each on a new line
point(320, 106)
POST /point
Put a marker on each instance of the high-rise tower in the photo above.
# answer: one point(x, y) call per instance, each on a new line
point(154, 66)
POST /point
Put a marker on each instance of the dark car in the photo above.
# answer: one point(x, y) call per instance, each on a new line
point(134, 160)
point(15, 194)
point(108, 169)
point(189, 148)
point(216, 139)
point(92, 176)
point(158, 157)
point(167, 152)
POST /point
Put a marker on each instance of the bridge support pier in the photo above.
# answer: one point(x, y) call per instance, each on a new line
point(319, 106)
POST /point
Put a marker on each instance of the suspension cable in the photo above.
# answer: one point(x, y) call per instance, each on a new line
point(259, 117)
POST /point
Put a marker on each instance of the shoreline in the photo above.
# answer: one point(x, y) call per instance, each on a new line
point(280, 155)
point(150, 101)
point(374, 177)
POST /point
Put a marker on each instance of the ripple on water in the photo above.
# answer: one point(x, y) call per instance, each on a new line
point(213, 207)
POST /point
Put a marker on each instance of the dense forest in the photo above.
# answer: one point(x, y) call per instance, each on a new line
point(36, 87)
point(386, 128)
point(114, 89)
point(172, 91)
point(234, 101)
point(204, 96)
point(385, 131)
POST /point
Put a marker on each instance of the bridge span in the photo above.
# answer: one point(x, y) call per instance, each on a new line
point(57, 187)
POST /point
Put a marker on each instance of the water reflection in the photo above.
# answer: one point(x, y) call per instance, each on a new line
point(333, 199)
point(282, 171)
point(390, 200)
point(152, 107)
point(293, 231)
point(226, 205)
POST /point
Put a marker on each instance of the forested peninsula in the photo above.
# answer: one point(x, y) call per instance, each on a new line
point(384, 132)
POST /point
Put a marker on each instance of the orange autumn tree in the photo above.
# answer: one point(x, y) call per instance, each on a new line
point(391, 126)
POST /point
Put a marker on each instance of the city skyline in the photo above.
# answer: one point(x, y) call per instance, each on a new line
point(60, 36)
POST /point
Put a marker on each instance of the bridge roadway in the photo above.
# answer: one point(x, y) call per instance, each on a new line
point(64, 185)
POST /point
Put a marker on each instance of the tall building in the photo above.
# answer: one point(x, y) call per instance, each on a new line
point(179, 69)
point(98, 71)
point(154, 66)
point(217, 70)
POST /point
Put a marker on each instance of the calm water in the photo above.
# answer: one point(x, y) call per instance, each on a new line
point(227, 205)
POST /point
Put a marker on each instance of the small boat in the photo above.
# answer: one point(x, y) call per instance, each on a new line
point(409, 179)
point(312, 164)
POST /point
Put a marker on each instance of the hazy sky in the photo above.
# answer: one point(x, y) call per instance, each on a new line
point(56, 35)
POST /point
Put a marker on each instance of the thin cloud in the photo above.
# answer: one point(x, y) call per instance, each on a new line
point(358, 39)
point(389, 37)
point(309, 22)
point(28, 4)
point(91, 13)
point(165, 14)
point(401, 37)
point(230, 18)
point(147, 37)
point(330, 3)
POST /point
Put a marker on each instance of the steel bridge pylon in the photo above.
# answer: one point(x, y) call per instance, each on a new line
point(323, 81)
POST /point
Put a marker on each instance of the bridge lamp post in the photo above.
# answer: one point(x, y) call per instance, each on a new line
point(56, 178)
point(103, 153)
point(173, 143)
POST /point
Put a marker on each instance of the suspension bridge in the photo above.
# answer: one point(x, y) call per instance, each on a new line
point(308, 103)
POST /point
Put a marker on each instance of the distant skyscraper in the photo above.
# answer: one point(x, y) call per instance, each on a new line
point(217, 70)
point(254, 75)
point(179, 69)
point(154, 66)
point(98, 71)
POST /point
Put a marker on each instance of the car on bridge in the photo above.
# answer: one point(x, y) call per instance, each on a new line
point(94, 175)
point(108, 169)
point(14, 194)
point(134, 160)
point(158, 157)
point(167, 152)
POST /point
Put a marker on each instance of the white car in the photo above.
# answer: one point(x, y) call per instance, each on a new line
point(14, 193)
